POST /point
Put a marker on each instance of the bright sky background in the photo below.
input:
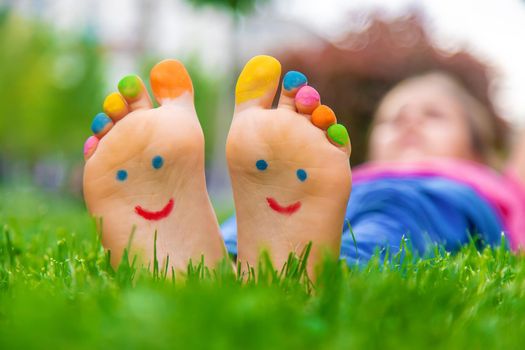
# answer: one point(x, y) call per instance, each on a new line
point(489, 28)
point(492, 30)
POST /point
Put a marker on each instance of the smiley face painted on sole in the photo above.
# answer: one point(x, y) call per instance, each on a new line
point(145, 183)
point(289, 166)
point(141, 162)
point(290, 209)
point(157, 163)
point(144, 177)
point(290, 185)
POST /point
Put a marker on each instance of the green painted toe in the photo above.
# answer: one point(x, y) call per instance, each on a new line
point(338, 134)
point(130, 86)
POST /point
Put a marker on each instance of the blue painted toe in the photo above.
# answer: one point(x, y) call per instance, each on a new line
point(99, 123)
point(293, 80)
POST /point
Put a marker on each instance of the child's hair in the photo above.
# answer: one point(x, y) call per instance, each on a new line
point(488, 132)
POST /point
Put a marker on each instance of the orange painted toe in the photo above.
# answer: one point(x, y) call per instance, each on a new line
point(169, 79)
point(323, 116)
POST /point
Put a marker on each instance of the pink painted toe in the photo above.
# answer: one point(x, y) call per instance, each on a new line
point(307, 99)
point(90, 145)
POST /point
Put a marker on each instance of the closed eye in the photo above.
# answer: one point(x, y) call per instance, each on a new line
point(434, 113)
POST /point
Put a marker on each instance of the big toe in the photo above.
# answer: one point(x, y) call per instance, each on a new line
point(258, 82)
point(170, 81)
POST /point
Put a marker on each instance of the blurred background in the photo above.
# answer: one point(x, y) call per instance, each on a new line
point(59, 58)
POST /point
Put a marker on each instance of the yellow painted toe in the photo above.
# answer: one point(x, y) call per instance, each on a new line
point(259, 78)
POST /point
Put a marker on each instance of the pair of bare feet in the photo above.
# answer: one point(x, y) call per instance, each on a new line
point(289, 168)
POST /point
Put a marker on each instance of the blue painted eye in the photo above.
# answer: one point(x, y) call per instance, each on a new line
point(301, 175)
point(122, 175)
point(157, 162)
point(261, 164)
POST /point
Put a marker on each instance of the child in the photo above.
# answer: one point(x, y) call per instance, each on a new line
point(290, 173)
point(428, 178)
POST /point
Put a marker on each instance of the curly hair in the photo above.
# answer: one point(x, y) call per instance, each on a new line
point(355, 73)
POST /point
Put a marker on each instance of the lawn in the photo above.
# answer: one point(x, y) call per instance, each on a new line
point(58, 292)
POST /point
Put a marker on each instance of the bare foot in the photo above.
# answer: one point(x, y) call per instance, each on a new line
point(144, 172)
point(289, 167)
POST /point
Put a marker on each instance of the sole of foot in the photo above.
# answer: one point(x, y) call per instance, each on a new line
point(289, 167)
point(144, 173)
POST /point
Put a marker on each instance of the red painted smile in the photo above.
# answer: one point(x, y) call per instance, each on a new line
point(155, 215)
point(289, 210)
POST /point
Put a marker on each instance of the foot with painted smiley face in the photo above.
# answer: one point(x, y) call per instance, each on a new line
point(289, 167)
point(144, 173)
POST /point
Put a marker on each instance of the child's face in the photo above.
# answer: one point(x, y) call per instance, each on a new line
point(418, 120)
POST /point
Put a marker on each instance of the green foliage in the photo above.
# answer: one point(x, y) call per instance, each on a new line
point(51, 87)
point(235, 6)
point(58, 291)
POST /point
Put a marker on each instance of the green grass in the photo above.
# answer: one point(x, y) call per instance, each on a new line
point(57, 291)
